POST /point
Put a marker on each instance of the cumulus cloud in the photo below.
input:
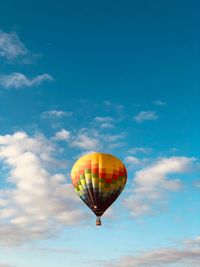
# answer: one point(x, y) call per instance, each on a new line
point(89, 139)
point(152, 183)
point(62, 135)
point(160, 258)
point(18, 80)
point(133, 161)
point(146, 116)
point(85, 141)
point(93, 140)
point(39, 201)
point(10, 46)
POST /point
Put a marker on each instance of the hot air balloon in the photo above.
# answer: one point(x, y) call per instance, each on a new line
point(98, 179)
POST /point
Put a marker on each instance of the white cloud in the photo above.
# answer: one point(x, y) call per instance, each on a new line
point(85, 141)
point(151, 184)
point(107, 103)
point(105, 122)
point(39, 201)
point(54, 250)
point(56, 114)
point(18, 80)
point(116, 107)
point(136, 150)
point(159, 103)
point(193, 242)
point(161, 257)
point(93, 140)
point(133, 161)
point(114, 137)
point(103, 119)
point(107, 126)
point(62, 135)
point(146, 116)
point(10, 46)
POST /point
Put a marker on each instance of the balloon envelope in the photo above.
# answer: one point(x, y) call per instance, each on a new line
point(98, 179)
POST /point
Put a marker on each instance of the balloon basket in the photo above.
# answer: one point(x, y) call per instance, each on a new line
point(98, 221)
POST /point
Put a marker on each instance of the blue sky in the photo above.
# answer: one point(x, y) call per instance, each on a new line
point(115, 76)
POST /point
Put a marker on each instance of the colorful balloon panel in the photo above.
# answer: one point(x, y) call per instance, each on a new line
point(98, 179)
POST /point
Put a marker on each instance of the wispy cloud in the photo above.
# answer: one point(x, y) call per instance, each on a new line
point(5, 265)
point(18, 80)
point(107, 125)
point(107, 103)
point(105, 122)
point(10, 46)
point(56, 114)
point(40, 201)
point(152, 183)
point(103, 119)
point(197, 183)
point(193, 242)
point(13, 50)
point(146, 116)
point(143, 150)
point(116, 107)
point(161, 257)
point(114, 137)
point(159, 103)
point(54, 250)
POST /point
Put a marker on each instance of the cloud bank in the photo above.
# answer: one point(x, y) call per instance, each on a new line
point(152, 183)
point(37, 200)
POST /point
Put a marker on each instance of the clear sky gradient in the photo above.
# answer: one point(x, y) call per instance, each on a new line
point(120, 77)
